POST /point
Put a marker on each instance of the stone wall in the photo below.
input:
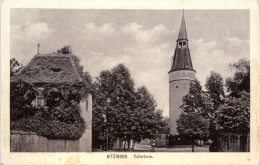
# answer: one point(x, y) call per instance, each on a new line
point(31, 142)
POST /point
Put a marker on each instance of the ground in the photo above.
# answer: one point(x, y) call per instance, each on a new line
point(147, 148)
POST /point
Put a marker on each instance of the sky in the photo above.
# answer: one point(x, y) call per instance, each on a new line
point(143, 40)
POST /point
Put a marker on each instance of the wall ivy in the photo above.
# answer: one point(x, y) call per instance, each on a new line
point(59, 119)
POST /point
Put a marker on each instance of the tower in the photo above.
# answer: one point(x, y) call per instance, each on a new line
point(180, 76)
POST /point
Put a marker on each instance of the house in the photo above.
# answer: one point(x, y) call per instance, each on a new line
point(59, 72)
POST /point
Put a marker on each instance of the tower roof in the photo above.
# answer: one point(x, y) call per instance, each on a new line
point(51, 68)
point(182, 59)
point(182, 33)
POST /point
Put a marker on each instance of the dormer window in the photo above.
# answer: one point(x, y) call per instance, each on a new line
point(56, 69)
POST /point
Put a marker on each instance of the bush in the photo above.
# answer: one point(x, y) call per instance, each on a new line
point(61, 120)
point(52, 129)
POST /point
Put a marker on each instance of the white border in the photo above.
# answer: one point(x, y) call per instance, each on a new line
point(159, 158)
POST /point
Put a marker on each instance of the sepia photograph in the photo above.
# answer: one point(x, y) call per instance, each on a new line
point(129, 80)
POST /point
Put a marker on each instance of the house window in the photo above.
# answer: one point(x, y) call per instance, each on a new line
point(39, 100)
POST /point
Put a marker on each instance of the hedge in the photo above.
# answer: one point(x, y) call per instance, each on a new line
point(52, 129)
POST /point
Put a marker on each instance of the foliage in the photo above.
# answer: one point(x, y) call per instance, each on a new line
point(128, 114)
point(193, 126)
point(15, 67)
point(197, 100)
point(192, 123)
point(88, 78)
point(234, 114)
point(149, 120)
point(230, 113)
point(62, 117)
point(64, 50)
point(241, 79)
point(60, 120)
point(21, 96)
point(53, 129)
point(215, 88)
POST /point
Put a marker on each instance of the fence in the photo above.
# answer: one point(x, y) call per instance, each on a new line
point(230, 142)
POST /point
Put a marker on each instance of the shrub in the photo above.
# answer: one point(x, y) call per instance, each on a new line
point(61, 120)
point(52, 129)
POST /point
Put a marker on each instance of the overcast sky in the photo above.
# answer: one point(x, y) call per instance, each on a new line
point(143, 40)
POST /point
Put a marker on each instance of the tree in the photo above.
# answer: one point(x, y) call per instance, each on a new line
point(122, 100)
point(215, 90)
point(197, 100)
point(234, 114)
point(241, 79)
point(148, 119)
point(15, 67)
point(100, 106)
point(115, 96)
point(197, 109)
point(192, 126)
point(129, 114)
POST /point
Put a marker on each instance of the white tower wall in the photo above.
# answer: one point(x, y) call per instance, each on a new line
point(179, 85)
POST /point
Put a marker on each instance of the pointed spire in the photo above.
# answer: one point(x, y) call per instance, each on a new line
point(182, 59)
point(182, 32)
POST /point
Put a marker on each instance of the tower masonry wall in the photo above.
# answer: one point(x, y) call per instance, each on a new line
point(179, 85)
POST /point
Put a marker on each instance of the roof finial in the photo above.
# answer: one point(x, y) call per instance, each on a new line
point(38, 45)
point(70, 50)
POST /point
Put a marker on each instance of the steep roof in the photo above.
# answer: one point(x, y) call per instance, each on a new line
point(182, 33)
point(51, 68)
point(182, 59)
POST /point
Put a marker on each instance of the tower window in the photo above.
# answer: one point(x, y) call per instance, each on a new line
point(184, 44)
point(179, 44)
point(176, 86)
